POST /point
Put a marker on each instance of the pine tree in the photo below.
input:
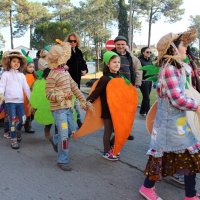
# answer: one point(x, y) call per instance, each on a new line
point(122, 19)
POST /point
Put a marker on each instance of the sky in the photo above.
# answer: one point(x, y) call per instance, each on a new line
point(158, 30)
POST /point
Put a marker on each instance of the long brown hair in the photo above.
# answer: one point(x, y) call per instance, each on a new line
point(76, 36)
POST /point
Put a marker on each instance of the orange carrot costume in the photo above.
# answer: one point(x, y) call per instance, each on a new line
point(30, 78)
point(122, 100)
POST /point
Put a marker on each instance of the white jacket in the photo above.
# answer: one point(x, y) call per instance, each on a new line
point(12, 85)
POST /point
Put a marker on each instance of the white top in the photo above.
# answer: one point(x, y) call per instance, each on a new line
point(12, 85)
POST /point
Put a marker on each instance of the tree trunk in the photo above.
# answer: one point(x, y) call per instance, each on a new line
point(31, 31)
point(130, 30)
point(150, 23)
point(11, 29)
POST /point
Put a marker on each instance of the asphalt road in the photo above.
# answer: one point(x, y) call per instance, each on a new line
point(30, 173)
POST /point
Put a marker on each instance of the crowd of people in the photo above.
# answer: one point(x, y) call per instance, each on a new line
point(174, 149)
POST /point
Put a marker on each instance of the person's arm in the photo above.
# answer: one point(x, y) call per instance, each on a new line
point(25, 86)
point(2, 87)
point(101, 86)
point(84, 69)
point(175, 93)
point(3, 83)
point(138, 72)
point(50, 85)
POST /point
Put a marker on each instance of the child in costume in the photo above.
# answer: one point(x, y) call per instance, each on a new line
point(59, 89)
point(29, 71)
point(111, 69)
point(173, 146)
point(12, 85)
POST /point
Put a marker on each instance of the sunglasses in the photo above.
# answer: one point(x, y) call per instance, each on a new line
point(74, 41)
point(148, 52)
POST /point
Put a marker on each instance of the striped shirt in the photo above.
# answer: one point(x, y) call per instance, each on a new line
point(172, 89)
point(60, 81)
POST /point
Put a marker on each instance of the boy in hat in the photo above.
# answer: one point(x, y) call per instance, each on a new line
point(59, 90)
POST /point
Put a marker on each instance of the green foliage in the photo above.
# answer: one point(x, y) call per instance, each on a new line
point(122, 19)
point(195, 22)
point(28, 15)
point(61, 9)
point(152, 72)
point(170, 9)
point(46, 33)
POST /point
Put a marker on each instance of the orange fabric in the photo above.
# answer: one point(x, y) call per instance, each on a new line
point(151, 115)
point(122, 100)
point(2, 115)
point(30, 80)
point(92, 121)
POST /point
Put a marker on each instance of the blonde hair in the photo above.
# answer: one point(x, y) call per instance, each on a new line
point(76, 36)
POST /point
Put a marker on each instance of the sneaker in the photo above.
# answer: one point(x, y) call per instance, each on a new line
point(14, 144)
point(149, 193)
point(178, 178)
point(64, 167)
point(191, 198)
point(7, 135)
point(110, 156)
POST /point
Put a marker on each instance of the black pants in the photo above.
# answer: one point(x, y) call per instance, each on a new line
point(190, 184)
point(145, 88)
point(108, 129)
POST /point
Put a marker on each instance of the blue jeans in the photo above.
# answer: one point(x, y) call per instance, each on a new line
point(70, 119)
point(15, 110)
point(61, 118)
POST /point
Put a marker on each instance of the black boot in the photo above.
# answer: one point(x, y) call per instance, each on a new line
point(27, 126)
point(79, 123)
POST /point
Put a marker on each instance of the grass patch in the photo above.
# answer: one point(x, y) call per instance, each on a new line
point(152, 96)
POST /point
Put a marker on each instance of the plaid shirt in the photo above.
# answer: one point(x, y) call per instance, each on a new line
point(170, 86)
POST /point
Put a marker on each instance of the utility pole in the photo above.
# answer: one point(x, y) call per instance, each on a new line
point(130, 31)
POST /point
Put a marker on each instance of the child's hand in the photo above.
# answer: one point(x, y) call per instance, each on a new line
point(60, 99)
point(1, 98)
point(69, 95)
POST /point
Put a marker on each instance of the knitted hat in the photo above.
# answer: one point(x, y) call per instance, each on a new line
point(59, 54)
point(120, 37)
point(108, 55)
point(164, 43)
point(13, 54)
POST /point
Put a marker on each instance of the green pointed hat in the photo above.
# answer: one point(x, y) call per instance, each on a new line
point(28, 58)
point(107, 56)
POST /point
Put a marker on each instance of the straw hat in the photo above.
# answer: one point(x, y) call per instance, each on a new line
point(164, 43)
point(10, 54)
point(59, 54)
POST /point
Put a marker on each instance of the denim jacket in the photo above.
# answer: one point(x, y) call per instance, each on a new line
point(171, 132)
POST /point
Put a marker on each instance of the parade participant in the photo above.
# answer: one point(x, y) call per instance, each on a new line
point(59, 88)
point(130, 64)
point(110, 73)
point(29, 72)
point(12, 85)
point(146, 86)
point(77, 66)
point(173, 147)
